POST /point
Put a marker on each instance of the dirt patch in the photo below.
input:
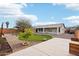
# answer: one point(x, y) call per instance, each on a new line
point(19, 46)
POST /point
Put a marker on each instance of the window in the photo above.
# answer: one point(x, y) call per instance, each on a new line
point(39, 30)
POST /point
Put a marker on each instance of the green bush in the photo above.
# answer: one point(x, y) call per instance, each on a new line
point(29, 31)
point(25, 35)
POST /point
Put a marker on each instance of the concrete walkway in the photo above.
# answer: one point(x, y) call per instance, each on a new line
point(53, 47)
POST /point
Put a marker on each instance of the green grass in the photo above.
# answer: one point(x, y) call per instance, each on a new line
point(37, 37)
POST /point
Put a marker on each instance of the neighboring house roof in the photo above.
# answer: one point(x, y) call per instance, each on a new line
point(9, 30)
point(50, 25)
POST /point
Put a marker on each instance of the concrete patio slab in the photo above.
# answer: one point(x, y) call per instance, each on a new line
point(56, 46)
point(29, 52)
point(52, 47)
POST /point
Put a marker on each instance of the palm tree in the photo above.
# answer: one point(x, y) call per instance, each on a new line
point(22, 24)
point(7, 24)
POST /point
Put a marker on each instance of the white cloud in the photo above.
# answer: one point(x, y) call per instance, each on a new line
point(72, 6)
point(15, 10)
point(45, 23)
point(40, 1)
point(55, 4)
point(12, 1)
point(31, 17)
point(10, 9)
point(73, 19)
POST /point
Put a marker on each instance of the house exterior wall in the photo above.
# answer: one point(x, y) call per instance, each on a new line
point(62, 29)
point(56, 29)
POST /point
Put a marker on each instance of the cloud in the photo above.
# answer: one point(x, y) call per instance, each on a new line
point(72, 6)
point(30, 17)
point(72, 19)
point(39, 1)
point(45, 23)
point(15, 11)
point(55, 4)
point(14, 1)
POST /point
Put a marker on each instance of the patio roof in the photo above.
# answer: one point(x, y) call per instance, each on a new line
point(50, 25)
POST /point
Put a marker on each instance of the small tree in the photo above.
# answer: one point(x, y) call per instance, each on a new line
point(29, 31)
point(22, 24)
point(24, 36)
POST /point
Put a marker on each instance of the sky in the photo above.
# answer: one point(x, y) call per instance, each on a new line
point(40, 13)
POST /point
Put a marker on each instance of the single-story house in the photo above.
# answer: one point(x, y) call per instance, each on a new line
point(51, 28)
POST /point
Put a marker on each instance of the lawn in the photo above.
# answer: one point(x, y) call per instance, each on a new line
point(37, 37)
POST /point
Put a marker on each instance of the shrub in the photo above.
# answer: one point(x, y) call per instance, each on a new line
point(29, 31)
point(25, 35)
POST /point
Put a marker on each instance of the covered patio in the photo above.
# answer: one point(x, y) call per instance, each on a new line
point(50, 28)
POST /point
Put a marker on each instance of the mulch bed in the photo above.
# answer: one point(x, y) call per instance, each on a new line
point(19, 46)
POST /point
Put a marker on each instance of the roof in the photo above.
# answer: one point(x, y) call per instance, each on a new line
point(50, 25)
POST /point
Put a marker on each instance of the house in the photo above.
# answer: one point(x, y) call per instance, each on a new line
point(70, 30)
point(51, 28)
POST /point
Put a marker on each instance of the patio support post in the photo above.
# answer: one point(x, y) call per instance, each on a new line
point(57, 30)
point(43, 30)
point(38, 30)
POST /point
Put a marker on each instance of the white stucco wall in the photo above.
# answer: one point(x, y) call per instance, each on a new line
point(62, 30)
point(61, 26)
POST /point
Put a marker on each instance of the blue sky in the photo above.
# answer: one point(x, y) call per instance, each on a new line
point(41, 13)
